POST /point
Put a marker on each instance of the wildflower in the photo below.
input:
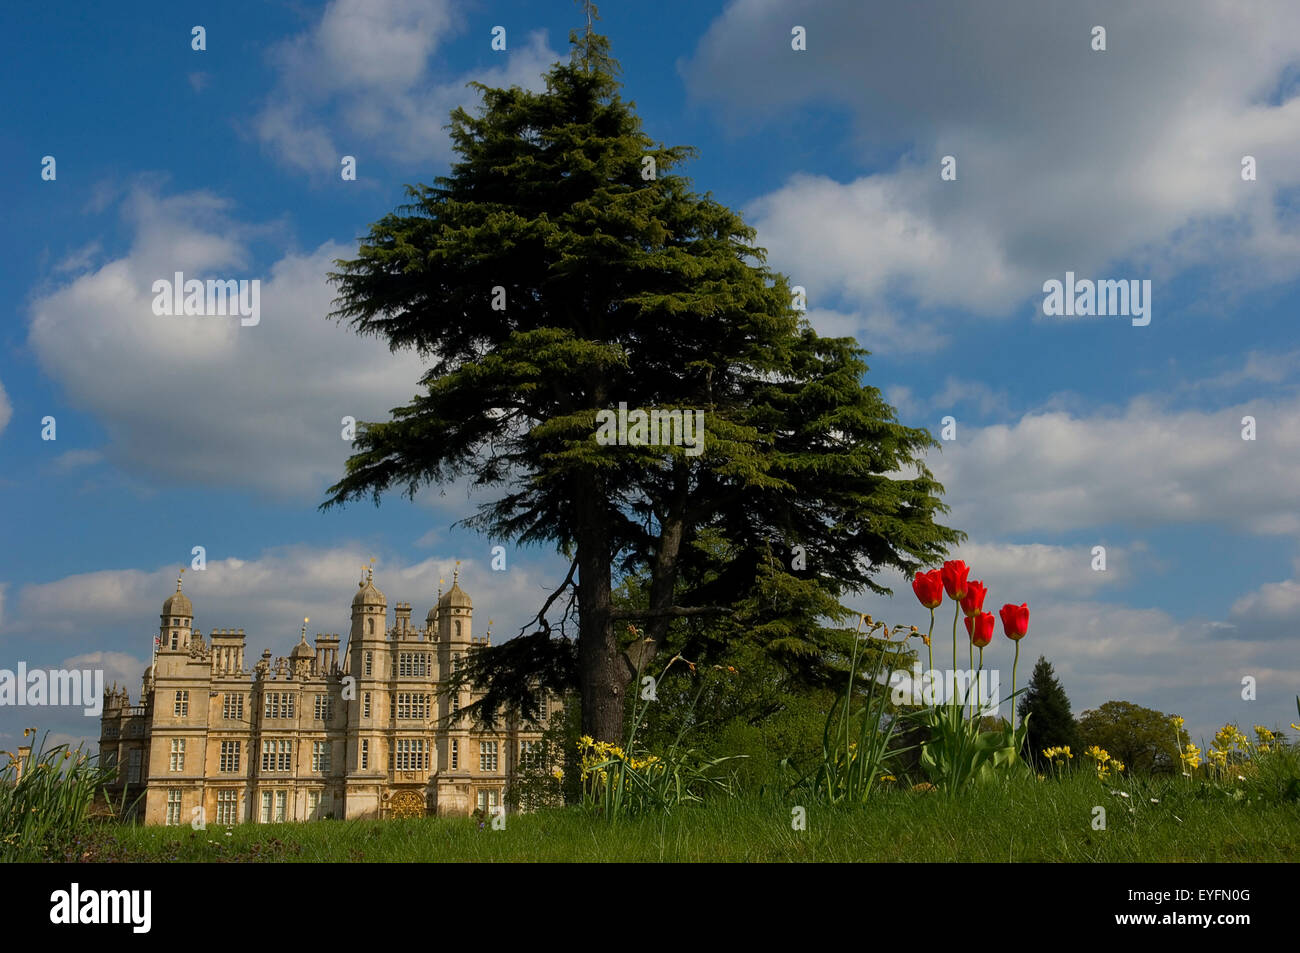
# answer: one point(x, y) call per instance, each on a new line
point(731, 669)
point(1177, 721)
point(888, 777)
point(1097, 754)
point(1191, 756)
point(1120, 793)
point(1052, 753)
point(1155, 800)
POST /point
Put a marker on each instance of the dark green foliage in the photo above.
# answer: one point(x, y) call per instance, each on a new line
point(1052, 724)
point(625, 289)
point(1143, 738)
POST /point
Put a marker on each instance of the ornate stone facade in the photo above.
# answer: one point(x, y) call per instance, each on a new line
point(311, 736)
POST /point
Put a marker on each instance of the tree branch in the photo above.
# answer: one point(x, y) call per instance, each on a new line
point(540, 618)
point(672, 612)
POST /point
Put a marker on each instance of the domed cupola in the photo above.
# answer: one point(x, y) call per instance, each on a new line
point(456, 597)
point(455, 611)
point(369, 609)
point(177, 620)
point(367, 593)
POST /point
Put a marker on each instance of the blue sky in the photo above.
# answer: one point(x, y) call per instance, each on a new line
point(1071, 432)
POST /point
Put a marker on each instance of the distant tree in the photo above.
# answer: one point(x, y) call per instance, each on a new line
point(1052, 723)
point(1143, 738)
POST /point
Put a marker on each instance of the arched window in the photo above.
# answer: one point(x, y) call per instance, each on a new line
point(173, 639)
point(458, 628)
point(370, 626)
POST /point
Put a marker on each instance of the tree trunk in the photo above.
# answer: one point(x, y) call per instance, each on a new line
point(663, 574)
point(601, 672)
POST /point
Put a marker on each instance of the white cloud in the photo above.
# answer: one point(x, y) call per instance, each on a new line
point(1014, 572)
point(360, 81)
point(1259, 367)
point(1271, 611)
point(1067, 159)
point(1149, 465)
point(269, 595)
point(119, 668)
point(204, 400)
point(6, 409)
point(79, 258)
point(75, 459)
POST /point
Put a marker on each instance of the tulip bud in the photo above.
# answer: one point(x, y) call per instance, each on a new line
point(980, 629)
point(1015, 620)
point(973, 602)
point(954, 574)
point(928, 587)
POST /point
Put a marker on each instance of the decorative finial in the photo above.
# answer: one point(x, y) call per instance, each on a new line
point(370, 570)
point(305, 620)
point(179, 578)
point(455, 576)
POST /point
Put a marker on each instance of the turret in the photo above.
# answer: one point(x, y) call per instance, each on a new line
point(302, 658)
point(177, 621)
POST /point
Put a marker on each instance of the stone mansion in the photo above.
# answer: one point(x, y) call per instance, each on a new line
point(310, 736)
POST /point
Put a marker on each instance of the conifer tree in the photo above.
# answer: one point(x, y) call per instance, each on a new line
point(561, 268)
point(1052, 724)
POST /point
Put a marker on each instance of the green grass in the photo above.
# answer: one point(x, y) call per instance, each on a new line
point(1024, 820)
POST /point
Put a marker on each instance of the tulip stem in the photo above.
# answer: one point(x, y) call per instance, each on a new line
point(970, 652)
point(1014, 663)
point(928, 647)
point(956, 608)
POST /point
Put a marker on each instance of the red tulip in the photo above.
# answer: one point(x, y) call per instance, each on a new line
point(973, 603)
point(928, 587)
point(1015, 620)
point(954, 574)
point(980, 628)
